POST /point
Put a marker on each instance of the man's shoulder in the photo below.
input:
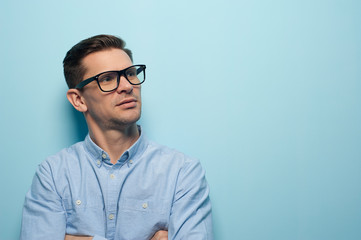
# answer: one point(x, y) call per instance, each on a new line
point(169, 155)
point(65, 155)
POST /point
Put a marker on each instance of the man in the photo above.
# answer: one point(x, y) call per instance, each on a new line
point(115, 184)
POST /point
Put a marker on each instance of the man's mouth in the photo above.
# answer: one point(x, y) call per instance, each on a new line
point(128, 103)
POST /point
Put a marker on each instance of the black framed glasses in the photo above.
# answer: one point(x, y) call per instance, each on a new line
point(109, 81)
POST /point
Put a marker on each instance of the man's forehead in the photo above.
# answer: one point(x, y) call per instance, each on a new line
point(105, 60)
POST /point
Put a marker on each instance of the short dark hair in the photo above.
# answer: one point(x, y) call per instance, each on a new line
point(74, 70)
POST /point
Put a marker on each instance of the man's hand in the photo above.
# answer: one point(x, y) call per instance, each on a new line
point(160, 235)
point(77, 237)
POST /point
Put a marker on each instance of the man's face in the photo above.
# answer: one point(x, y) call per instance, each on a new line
point(110, 110)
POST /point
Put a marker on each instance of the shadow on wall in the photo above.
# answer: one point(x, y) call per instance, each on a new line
point(78, 124)
point(79, 128)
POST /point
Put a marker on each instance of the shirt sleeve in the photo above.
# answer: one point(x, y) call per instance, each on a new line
point(43, 214)
point(98, 238)
point(191, 216)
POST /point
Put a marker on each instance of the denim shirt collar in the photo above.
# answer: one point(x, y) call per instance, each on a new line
point(131, 154)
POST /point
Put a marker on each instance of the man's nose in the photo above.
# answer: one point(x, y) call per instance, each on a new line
point(124, 85)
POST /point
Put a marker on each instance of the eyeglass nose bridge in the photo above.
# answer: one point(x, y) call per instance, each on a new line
point(121, 73)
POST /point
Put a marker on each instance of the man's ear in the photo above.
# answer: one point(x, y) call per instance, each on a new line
point(76, 99)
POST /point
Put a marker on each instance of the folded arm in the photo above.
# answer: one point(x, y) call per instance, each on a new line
point(160, 235)
point(43, 214)
point(191, 216)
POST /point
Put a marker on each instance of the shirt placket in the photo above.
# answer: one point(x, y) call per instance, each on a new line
point(113, 193)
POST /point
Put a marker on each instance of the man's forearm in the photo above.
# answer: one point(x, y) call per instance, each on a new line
point(77, 237)
point(160, 235)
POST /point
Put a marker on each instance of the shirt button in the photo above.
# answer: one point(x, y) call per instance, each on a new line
point(111, 216)
point(98, 162)
point(104, 156)
point(130, 161)
point(145, 205)
point(78, 202)
point(112, 176)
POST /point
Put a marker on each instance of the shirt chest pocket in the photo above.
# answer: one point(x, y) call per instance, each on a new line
point(84, 213)
point(79, 204)
point(144, 214)
point(143, 205)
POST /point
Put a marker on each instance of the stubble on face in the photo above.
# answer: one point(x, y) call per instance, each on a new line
point(112, 116)
point(121, 121)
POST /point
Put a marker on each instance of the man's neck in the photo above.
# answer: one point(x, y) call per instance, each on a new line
point(115, 142)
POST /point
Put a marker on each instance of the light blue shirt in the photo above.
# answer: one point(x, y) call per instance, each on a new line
point(151, 187)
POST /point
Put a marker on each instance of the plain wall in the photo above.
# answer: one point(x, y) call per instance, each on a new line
point(265, 93)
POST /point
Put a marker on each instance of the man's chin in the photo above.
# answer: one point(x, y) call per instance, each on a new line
point(121, 123)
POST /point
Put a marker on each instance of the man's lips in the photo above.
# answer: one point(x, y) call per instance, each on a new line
point(128, 103)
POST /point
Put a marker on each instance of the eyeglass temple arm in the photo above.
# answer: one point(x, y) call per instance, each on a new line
point(139, 70)
point(83, 83)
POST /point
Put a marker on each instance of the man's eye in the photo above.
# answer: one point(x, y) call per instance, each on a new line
point(131, 73)
point(107, 77)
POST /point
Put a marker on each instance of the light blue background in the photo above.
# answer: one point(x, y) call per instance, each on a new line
point(265, 93)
